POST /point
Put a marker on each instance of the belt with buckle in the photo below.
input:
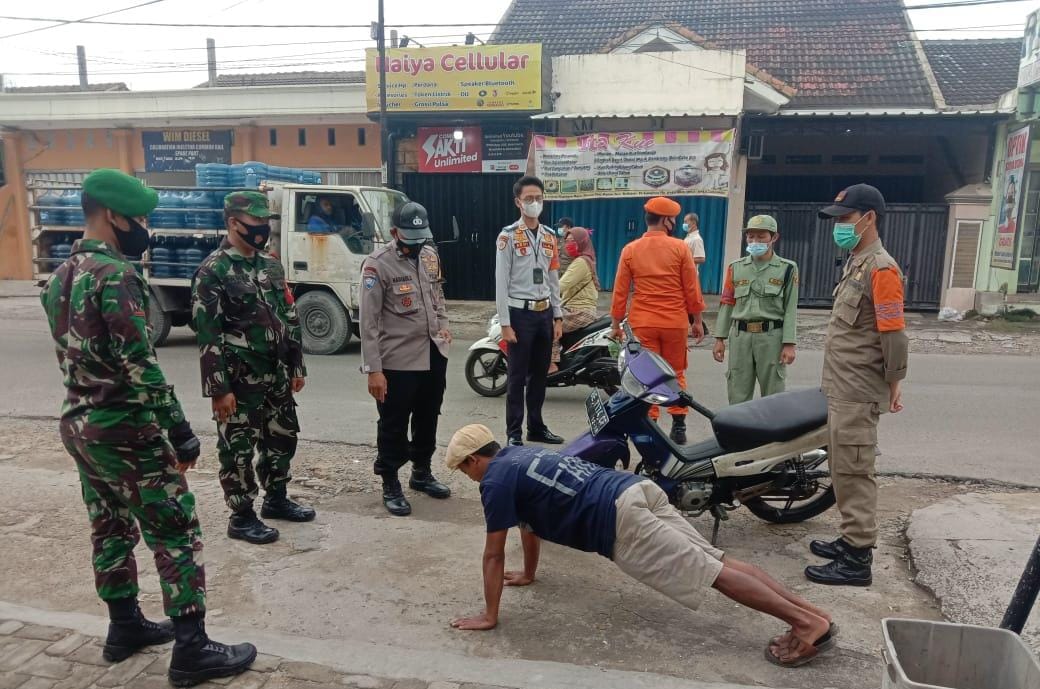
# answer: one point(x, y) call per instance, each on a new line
point(759, 326)
point(529, 304)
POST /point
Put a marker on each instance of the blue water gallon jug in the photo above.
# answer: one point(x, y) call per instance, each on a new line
point(59, 253)
point(191, 258)
point(161, 257)
point(50, 216)
point(211, 174)
point(72, 200)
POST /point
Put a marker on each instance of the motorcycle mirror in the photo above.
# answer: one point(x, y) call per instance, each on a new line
point(454, 232)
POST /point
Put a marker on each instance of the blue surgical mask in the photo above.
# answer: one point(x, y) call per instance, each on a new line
point(686, 227)
point(757, 249)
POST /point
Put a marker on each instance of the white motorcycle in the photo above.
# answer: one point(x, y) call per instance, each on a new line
point(588, 357)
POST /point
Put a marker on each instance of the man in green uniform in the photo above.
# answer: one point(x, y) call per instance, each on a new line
point(116, 406)
point(251, 357)
point(759, 306)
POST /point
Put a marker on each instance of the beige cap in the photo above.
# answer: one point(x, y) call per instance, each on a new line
point(465, 442)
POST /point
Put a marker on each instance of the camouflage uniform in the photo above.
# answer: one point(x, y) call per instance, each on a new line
point(249, 340)
point(116, 406)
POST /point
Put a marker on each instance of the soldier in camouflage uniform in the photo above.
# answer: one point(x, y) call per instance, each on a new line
point(116, 407)
point(252, 363)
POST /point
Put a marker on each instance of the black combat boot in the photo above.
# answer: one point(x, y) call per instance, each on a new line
point(831, 550)
point(678, 434)
point(423, 481)
point(129, 630)
point(393, 497)
point(851, 568)
point(244, 525)
point(197, 658)
point(278, 505)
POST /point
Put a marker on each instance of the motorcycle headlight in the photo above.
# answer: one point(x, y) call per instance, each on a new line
point(622, 360)
point(630, 385)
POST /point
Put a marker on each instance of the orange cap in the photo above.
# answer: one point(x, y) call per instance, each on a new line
point(663, 206)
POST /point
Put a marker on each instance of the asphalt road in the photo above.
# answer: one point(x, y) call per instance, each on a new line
point(966, 415)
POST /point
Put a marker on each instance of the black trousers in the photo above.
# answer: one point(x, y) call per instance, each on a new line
point(415, 397)
point(528, 367)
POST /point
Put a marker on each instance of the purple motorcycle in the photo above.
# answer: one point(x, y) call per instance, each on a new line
point(768, 454)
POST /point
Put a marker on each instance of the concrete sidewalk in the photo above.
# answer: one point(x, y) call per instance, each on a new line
point(41, 649)
point(970, 550)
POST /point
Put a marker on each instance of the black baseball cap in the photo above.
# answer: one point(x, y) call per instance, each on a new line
point(858, 197)
point(412, 222)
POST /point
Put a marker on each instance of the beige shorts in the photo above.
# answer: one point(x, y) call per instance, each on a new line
point(655, 545)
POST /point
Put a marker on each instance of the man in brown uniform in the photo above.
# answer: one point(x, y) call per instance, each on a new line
point(404, 351)
point(864, 362)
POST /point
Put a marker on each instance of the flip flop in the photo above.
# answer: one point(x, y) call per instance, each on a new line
point(824, 643)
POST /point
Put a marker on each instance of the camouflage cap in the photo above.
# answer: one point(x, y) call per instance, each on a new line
point(251, 203)
point(120, 192)
point(762, 222)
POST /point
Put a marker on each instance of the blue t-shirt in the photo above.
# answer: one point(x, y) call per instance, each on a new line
point(561, 499)
point(319, 223)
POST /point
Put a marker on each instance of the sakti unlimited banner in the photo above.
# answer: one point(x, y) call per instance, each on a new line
point(457, 78)
point(619, 164)
point(1011, 199)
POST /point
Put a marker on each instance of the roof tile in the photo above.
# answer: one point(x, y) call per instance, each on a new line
point(974, 71)
point(839, 47)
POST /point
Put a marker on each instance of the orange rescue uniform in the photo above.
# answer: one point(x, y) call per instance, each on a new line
point(667, 291)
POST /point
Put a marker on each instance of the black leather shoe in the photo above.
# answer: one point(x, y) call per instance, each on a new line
point(831, 550)
point(678, 434)
point(394, 500)
point(278, 505)
point(129, 631)
point(196, 658)
point(426, 483)
point(544, 436)
point(246, 526)
point(515, 441)
point(850, 569)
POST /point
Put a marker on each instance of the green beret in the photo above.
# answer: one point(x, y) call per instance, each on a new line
point(249, 202)
point(120, 192)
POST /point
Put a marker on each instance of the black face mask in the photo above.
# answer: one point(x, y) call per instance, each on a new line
point(134, 241)
point(256, 236)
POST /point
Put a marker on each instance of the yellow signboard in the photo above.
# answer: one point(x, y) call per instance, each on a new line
point(457, 78)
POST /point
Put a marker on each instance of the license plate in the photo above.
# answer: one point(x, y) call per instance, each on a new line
point(598, 417)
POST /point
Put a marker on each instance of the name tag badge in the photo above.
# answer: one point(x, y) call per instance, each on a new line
point(539, 276)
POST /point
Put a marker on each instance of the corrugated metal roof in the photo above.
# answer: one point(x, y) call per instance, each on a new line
point(888, 112)
point(626, 115)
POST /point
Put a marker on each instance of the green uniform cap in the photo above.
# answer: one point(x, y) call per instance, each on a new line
point(120, 192)
point(249, 202)
point(762, 222)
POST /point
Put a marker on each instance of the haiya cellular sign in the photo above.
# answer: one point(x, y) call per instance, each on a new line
point(457, 78)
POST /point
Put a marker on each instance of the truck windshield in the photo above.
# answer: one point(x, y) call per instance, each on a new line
point(383, 202)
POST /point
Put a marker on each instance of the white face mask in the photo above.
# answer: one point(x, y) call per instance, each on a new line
point(532, 209)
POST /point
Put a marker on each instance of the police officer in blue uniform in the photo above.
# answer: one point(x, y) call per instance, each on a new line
point(527, 293)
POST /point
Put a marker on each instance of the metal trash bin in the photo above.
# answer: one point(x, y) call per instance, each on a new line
point(920, 654)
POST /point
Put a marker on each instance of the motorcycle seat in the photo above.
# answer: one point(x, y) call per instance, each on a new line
point(774, 419)
point(570, 339)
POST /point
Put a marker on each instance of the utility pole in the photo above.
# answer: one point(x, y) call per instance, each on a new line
point(81, 58)
point(1024, 599)
point(383, 134)
point(211, 60)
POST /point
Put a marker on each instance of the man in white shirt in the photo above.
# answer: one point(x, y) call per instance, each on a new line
point(691, 223)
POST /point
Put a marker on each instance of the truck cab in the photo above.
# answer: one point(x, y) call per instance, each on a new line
point(324, 236)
